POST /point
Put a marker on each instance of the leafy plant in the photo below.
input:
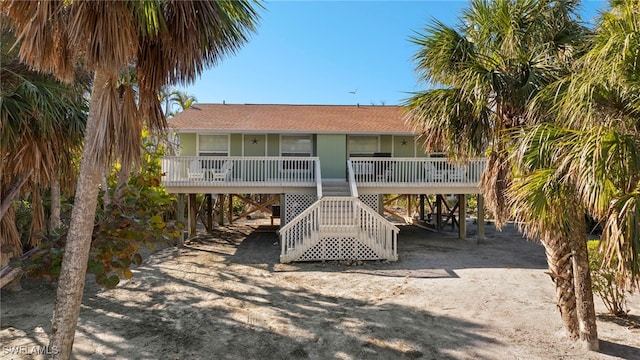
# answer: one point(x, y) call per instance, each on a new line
point(120, 232)
point(605, 281)
point(137, 219)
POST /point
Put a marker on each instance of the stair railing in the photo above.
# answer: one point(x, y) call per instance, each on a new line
point(353, 187)
point(334, 216)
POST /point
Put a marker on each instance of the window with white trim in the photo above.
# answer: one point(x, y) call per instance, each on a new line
point(213, 145)
point(362, 145)
point(295, 145)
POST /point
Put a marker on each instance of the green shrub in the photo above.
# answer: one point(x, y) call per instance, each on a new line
point(139, 219)
point(121, 230)
point(605, 282)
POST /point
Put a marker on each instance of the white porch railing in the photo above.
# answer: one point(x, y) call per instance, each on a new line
point(375, 171)
point(338, 228)
point(353, 188)
point(239, 171)
point(318, 180)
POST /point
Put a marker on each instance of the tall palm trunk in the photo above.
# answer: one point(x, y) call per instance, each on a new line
point(558, 251)
point(76, 255)
point(586, 313)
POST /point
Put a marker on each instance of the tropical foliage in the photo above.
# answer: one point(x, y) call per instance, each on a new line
point(605, 281)
point(138, 220)
point(42, 123)
point(167, 42)
point(594, 140)
point(175, 101)
point(486, 72)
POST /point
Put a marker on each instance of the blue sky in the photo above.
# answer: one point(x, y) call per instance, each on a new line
point(330, 52)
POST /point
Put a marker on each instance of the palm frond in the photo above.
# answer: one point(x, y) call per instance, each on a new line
point(443, 52)
point(40, 29)
point(621, 237)
point(105, 105)
point(441, 117)
point(600, 166)
point(42, 121)
point(9, 237)
point(538, 200)
point(37, 228)
point(494, 183)
point(105, 31)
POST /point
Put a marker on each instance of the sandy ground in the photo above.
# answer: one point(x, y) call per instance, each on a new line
point(225, 296)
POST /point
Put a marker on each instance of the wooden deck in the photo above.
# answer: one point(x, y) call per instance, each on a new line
point(277, 175)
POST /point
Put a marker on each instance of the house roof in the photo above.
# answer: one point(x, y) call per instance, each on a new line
point(250, 118)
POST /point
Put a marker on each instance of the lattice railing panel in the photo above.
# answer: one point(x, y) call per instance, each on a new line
point(356, 229)
point(371, 200)
point(339, 248)
point(294, 204)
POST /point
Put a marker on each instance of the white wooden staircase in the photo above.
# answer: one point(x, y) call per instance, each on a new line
point(338, 228)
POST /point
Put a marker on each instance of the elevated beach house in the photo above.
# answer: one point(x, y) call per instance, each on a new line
point(330, 166)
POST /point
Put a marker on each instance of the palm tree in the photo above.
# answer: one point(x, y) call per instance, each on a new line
point(539, 196)
point(489, 69)
point(174, 97)
point(597, 143)
point(167, 41)
point(184, 100)
point(42, 127)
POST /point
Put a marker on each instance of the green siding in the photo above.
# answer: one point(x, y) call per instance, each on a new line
point(331, 147)
point(236, 145)
point(385, 144)
point(420, 151)
point(332, 151)
point(403, 150)
point(257, 149)
point(188, 144)
point(273, 145)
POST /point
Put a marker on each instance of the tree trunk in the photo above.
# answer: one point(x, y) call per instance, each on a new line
point(54, 218)
point(76, 255)
point(558, 251)
point(7, 198)
point(584, 293)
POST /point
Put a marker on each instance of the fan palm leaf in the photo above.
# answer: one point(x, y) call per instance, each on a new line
point(598, 109)
point(489, 70)
point(603, 167)
point(167, 41)
point(490, 67)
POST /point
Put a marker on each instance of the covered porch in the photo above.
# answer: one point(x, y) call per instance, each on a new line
point(283, 174)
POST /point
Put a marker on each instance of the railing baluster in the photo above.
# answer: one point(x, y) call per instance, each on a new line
point(416, 172)
point(238, 171)
point(331, 215)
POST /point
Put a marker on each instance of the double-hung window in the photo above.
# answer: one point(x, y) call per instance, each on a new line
point(213, 145)
point(298, 146)
point(295, 145)
point(362, 145)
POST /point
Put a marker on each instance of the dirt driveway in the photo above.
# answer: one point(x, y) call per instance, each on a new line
point(225, 296)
